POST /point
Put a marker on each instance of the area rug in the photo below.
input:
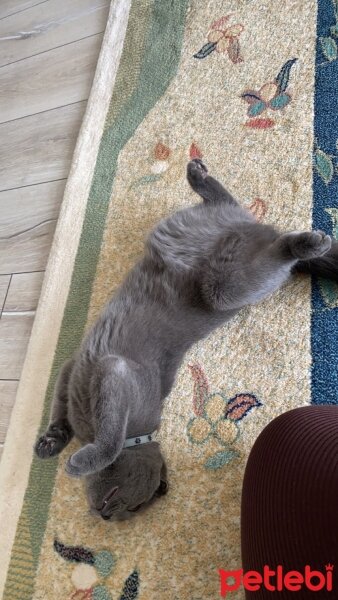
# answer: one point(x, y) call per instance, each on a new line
point(250, 87)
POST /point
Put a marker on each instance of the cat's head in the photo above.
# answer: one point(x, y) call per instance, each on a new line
point(130, 484)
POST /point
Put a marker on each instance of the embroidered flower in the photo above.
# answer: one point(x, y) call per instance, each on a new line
point(211, 423)
point(89, 568)
point(329, 289)
point(216, 417)
point(271, 95)
point(161, 164)
point(83, 576)
point(161, 151)
point(223, 37)
point(258, 208)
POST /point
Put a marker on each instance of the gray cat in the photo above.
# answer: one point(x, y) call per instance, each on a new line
point(201, 266)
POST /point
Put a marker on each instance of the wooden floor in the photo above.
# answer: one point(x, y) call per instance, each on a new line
point(48, 54)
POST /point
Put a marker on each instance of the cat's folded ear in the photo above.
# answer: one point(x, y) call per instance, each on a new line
point(164, 485)
point(163, 488)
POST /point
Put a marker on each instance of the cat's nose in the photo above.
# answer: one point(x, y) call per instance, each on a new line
point(105, 517)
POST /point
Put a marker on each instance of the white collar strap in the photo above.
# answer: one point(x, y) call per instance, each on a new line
point(140, 439)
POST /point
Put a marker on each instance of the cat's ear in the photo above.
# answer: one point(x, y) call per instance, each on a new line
point(110, 494)
point(164, 485)
point(163, 488)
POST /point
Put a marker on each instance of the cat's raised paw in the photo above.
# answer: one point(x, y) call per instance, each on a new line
point(308, 244)
point(196, 171)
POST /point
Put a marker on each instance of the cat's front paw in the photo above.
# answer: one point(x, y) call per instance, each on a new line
point(83, 462)
point(46, 446)
point(196, 172)
point(308, 244)
point(72, 469)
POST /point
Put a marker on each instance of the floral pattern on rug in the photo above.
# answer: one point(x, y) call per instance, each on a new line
point(325, 165)
point(328, 43)
point(217, 417)
point(271, 95)
point(160, 163)
point(89, 571)
point(223, 37)
point(329, 289)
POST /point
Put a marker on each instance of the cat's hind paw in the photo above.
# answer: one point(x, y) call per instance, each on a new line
point(308, 244)
point(196, 172)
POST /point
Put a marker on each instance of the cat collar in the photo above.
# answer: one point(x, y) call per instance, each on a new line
point(139, 439)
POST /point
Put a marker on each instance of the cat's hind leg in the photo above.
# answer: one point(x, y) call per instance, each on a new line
point(59, 432)
point(113, 388)
point(206, 186)
point(232, 284)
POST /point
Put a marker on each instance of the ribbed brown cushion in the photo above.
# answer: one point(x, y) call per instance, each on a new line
point(290, 499)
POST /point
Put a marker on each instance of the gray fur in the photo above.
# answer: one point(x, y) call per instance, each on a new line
point(201, 265)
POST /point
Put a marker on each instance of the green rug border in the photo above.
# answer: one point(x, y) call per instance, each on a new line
point(161, 50)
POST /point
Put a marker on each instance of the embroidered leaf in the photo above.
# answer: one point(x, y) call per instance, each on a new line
point(335, 7)
point(234, 51)
point(251, 97)
point(195, 152)
point(131, 586)
point(240, 405)
point(220, 459)
point(256, 109)
point(104, 562)
point(146, 179)
point(329, 291)
point(74, 553)
point(324, 165)
point(333, 212)
point(280, 101)
point(100, 592)
point(329, 48)
point(220, 23)
point(201, 388)
point(282, 78)
point(334, 30)
point(206, 50)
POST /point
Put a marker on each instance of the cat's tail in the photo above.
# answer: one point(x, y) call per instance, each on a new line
point(324, 266)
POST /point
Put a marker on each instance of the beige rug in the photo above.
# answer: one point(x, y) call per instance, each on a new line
point(216, 79)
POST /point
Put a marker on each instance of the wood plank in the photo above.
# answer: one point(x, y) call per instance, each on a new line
point(39, 148)
point(15, 329)
point(52, 24)
point(24, 292)
point(4, 283)
point(7, 399)
point(56, 78)
point(13, 7)
point(28, 220)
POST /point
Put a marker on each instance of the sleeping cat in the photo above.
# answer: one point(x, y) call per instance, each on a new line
point(201, 266)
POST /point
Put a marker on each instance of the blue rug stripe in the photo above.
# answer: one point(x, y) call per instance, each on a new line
point(324, 323)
